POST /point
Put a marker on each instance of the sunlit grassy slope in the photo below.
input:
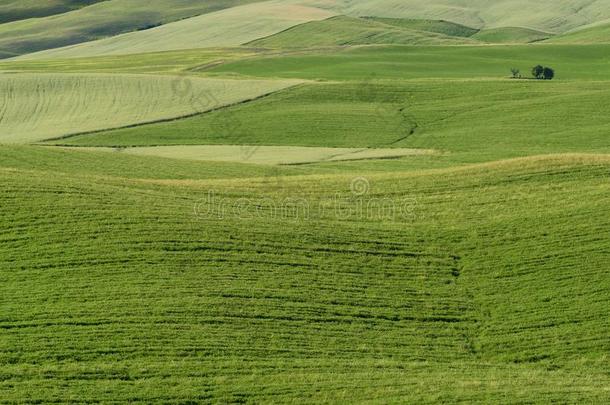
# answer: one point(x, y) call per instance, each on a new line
point(40, 106)
point(344, 30)
point(405, 62)
point(140, 291)
point(511, 35)
point(543, 15)
point(168, 62)
point(270, 155)
point(14, 10)
point(100, 20)
point(438, 26)
point(598, 34)
point(230, 27)
point(468, 119)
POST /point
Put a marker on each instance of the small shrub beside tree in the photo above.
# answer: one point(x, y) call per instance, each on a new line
point(538, 71)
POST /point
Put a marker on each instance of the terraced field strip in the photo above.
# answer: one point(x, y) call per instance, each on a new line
point(268, 155)
point(169, 62)
point(34, 107)
point(231, 27)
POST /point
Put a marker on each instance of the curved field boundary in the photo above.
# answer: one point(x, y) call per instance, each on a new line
point(231, 27)
point(104, 19)
point(34, 107)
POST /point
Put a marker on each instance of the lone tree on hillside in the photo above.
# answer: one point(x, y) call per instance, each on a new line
point(548, 73)
point(538, 71)
point(516, 73)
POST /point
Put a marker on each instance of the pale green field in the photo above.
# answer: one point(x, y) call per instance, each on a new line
point(168, 62)
point(344, 30)
point(596, 34)
point(41, 106)
point(543, 15)
point(14, 10)
point(106, 18)
point(231, 27)
point(509, 35)
point(268, 155)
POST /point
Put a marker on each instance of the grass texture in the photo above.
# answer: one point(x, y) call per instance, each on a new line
point(472, 120)
point(543, 15)
point(230, 27)
point(103, 19)
point(492, 288)
point(343, 30)
point(40, 106)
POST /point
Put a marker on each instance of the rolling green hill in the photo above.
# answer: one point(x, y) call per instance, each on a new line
point(438, 26)
point(240, 24)
point(597, 34)
point(511, 35)
point(543, 15)
point(305, 201)
point(38, 106)
point(138, 291)
point(583, 62)
point(106, 18)
point(343, 30)
point(230, 27)
point(468, 120)
point(14, 10)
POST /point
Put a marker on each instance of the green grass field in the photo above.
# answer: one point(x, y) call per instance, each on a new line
point(299, 202)
point(175, 304)
point(473, 120)
point(218, 29)
point(543, 15)
point(597, 34)
point(511, 35)
point(15, 10)
point(56, 105)
point(584, 62)
point(355, 31)
point(102, 19)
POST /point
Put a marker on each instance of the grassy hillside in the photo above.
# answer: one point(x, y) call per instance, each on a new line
point(270, 155)
point(468, 120)
point(438, 26)
point(598, 34)
point(107, 18)
point(281, 202)
point(405, 62)
point(511, 35)
point(13, 10)
point(343, 30)
point(543, 15)
point(38, 106)
point(138, 291)
point(230, 27)
point(168, 62)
